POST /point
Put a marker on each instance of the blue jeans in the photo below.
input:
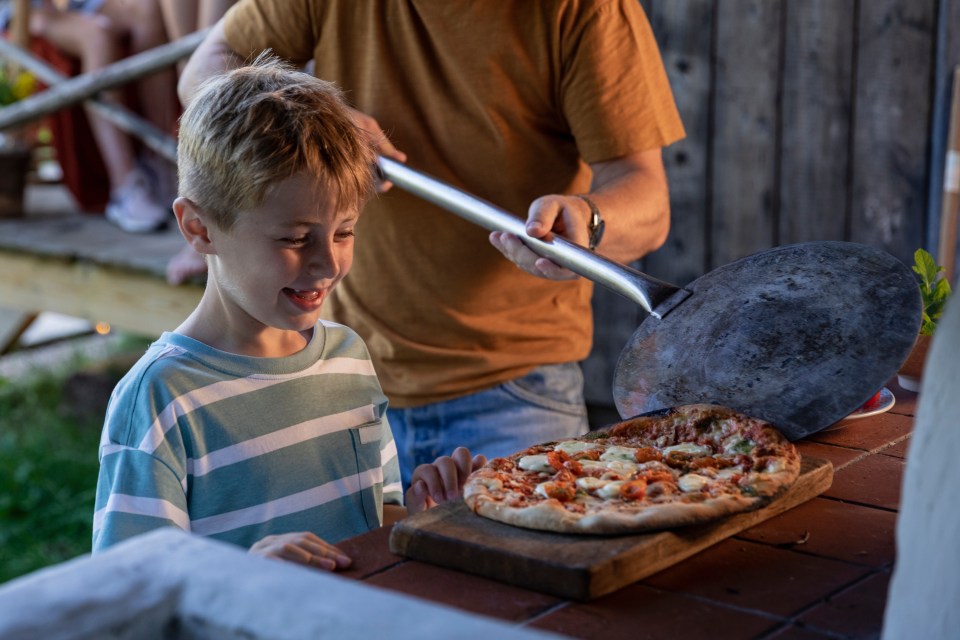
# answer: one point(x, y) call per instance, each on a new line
point(546, 404)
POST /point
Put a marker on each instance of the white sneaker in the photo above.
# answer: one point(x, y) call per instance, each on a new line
point(133, 208)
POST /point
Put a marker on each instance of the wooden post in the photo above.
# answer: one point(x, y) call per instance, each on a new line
point(947, 251)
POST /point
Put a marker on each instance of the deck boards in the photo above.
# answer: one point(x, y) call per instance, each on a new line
point(56, 258)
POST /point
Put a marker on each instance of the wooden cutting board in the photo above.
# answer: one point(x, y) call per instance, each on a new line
point(575, 567)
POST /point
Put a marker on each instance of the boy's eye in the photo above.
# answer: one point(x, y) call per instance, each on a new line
point(296, 242)
point(345, 234)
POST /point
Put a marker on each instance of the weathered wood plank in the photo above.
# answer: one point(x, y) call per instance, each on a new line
point(683, 29)
point(891, 120)
point(817, 105)
point(12, 325)
point(134, 301)
point(744, 155)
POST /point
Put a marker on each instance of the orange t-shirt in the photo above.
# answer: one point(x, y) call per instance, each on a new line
point(506, 99)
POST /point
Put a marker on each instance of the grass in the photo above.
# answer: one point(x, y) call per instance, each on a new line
point(49, 431)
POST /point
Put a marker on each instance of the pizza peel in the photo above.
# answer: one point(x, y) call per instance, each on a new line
point(799, 335)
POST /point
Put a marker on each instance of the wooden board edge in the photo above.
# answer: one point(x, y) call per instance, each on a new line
point(419, 539)
point(818, 479)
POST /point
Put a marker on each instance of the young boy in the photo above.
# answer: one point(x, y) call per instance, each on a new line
point(255, 422)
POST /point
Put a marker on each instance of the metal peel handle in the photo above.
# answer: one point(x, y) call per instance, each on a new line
point(638, 287)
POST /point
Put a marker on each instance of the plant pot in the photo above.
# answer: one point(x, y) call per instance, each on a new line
point(911, 371)
point(14, 167)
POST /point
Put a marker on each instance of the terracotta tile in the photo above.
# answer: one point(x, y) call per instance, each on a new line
point(867, 434)
point(638, 612)
point(370, 553)
point(759, 577)
point(898, 450)
point(464, 591)
point(832, 529)
point(796, 632)
point(874, 481)
point(856, 612)
point(839, 456)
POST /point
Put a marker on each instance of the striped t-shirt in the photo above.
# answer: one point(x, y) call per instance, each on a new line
point(237, 447)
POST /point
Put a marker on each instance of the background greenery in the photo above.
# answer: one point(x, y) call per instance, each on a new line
point(50, 424)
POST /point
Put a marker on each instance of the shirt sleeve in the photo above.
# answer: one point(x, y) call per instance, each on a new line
point(136, 493)
point(287, 28)
point(615, 93)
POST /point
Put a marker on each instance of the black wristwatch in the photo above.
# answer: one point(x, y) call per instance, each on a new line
point(596, 224)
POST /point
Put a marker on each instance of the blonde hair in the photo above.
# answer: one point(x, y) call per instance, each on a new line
point(255, 126)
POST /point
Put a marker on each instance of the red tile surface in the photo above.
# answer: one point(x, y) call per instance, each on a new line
point(637, 612)
point(839, 456)
point(797, 632)
point(464, 591)
point(898, 450)
point(832, 529)
point(856, 612)
point(867, 434)
point(759, 577)
point(370, 553)
point(874, 481)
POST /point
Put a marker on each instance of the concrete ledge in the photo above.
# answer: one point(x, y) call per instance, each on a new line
point(169, 584)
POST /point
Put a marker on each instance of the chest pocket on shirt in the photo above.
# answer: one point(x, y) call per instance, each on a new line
point(367, 438)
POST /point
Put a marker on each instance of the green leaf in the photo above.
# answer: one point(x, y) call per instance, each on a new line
point(933, 289)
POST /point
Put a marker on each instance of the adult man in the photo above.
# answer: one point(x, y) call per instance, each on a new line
point(558, 108)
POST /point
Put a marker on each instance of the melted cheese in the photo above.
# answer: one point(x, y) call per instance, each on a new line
point(729, 472)
point(589, 483)
point(610, 489)
point(573, 446)
point(738, 444)
point(692, 482)
point(688, 447)
point(619, 453)
point(775, 465)
point(535, 463)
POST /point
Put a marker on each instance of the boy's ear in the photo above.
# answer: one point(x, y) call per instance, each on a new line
point(193, 225)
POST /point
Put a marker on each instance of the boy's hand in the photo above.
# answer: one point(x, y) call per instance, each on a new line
point(432, 484)
point(302, 547)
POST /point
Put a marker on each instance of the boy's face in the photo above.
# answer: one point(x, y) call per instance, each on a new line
point(281, 260)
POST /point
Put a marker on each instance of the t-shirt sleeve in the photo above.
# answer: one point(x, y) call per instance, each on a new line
point(136, 493)
point(287, 28)
point(142, 479)
point(615, 93)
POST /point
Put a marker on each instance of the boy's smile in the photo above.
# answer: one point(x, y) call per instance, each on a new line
point(271, 272)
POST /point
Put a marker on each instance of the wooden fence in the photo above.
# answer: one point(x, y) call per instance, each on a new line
point(806, 120)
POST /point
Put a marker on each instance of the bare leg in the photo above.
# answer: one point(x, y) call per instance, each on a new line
point(96, 44)
point(157, 92)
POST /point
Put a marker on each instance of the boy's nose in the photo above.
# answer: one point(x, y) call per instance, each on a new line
point(322, 262)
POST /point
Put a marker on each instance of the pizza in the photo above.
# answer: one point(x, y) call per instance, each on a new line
point(683, 466)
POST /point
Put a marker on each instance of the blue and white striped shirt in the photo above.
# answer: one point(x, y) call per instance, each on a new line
point(237, 447)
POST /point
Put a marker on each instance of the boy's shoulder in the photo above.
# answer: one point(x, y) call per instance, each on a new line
point(341, 340)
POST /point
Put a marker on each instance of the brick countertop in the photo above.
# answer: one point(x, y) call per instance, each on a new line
point(819, 570)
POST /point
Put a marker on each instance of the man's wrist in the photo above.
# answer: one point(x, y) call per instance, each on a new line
point(596, 224)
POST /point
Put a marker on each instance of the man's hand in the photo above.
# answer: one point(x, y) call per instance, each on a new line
point(567, 216)
point(433, 484)
point(381, 143)
point(302, 547)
